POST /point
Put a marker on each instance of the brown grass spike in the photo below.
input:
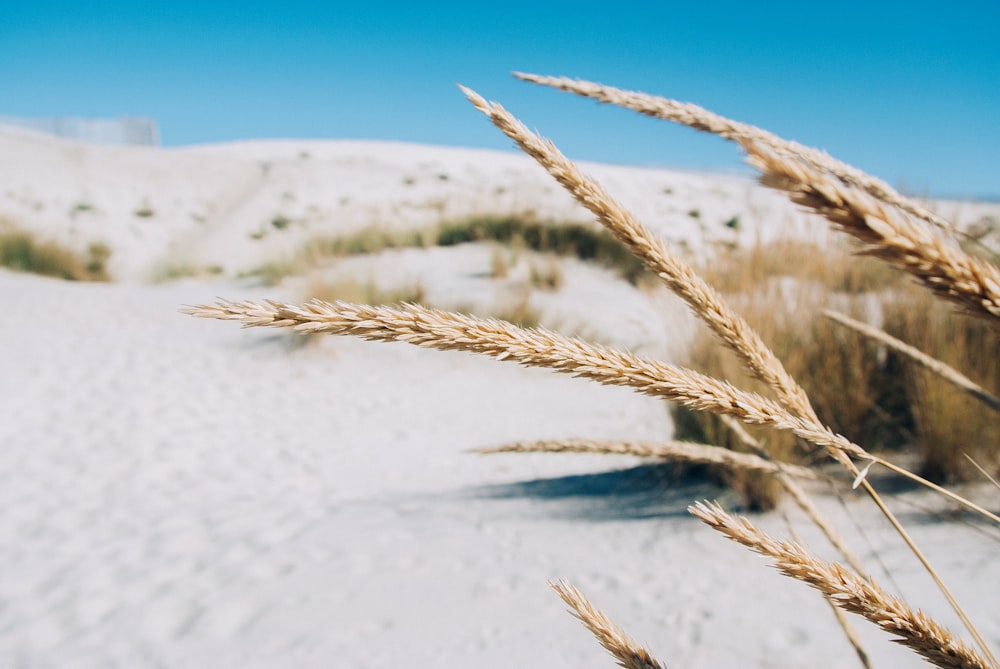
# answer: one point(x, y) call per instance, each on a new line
point(848, 591)
point(702, 119)
point(627, 653)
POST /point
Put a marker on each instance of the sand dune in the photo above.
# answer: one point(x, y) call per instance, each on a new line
point(176, 492)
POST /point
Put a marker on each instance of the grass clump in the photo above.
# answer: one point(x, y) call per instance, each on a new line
point(546, 273)
point(947, 424)
point(854, 389)
point(564, 239)
point(517, 232)
point(518, 311)
point(501, 260)
point(857, 387)
point(23, 252)
point(172, 271)
point(741, 269)
point(82, 207)
point(371, 239)
point(352, 290)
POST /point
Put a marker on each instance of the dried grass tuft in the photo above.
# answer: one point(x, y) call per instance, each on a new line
point(22, 251)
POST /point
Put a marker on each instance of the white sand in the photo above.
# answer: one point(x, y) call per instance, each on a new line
point(182, 493)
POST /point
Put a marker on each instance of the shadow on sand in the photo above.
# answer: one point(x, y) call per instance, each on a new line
point(645, 491)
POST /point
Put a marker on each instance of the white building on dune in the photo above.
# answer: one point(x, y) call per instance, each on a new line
point(136, 131)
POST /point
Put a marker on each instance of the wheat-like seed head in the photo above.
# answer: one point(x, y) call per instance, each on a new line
point(891, 235)
point(702, 119)
point(848, 591)
point(625, 650)
point(445, 330)
point(677, 451)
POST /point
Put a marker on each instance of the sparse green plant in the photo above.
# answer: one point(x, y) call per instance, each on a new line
point(81, 207)
point(517, 232)
point(98, 254)
point(23, 252)
point(144, 210)
point(171, 271)
point(370, 239)
point(566, 239)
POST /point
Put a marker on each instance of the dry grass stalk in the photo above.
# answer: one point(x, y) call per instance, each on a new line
point(805, 503)
point(445, 330)
point(891, 235)
point(625, 650)
point(982, 471)
point(851, 634)
point(946, 372)
point(704, 120)
point(845, 624)
point(848, 591)
point(679, 451)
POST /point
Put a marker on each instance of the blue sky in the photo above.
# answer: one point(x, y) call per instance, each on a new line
point(907, 91)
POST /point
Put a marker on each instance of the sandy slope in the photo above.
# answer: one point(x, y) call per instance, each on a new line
point(181, 493)
point(176, 492)
point(215, 205)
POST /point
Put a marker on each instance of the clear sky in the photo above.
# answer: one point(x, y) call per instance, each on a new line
point(909, 91)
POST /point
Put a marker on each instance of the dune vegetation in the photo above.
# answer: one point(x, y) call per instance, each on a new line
point(524, 231)
point(24, 252)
